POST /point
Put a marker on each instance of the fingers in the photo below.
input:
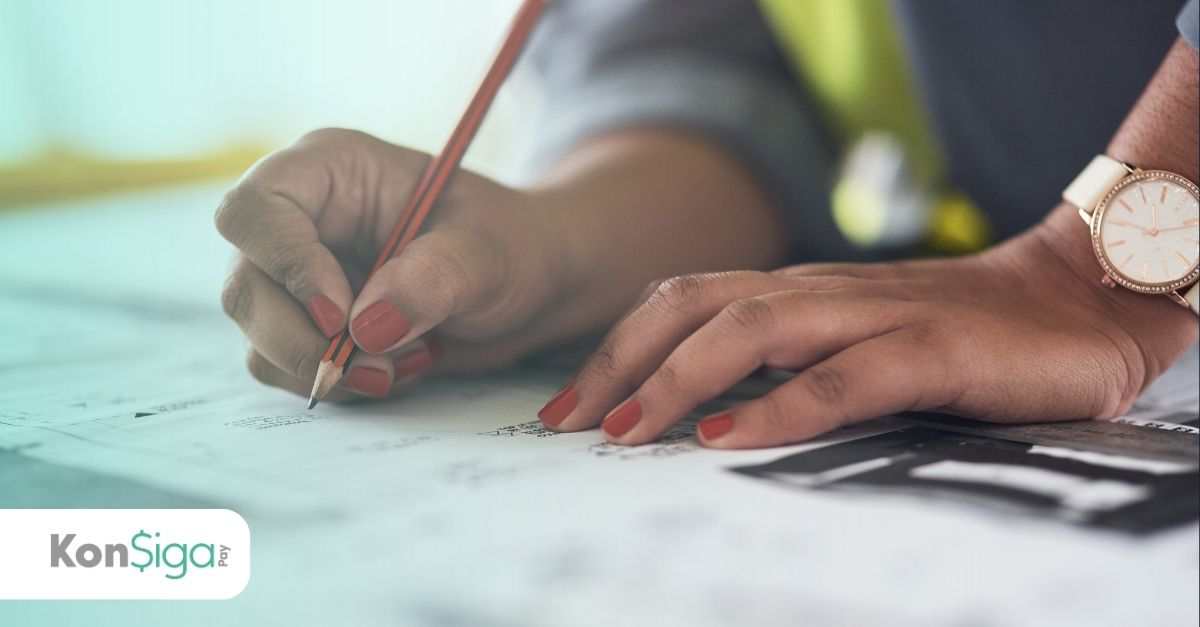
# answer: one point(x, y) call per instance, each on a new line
point(876, 271)
point(888, 374)
point(272, 321)
point(639, 343)
point(323, 191)
point(280, 331)
point(270, 215)
point(415, 359)
point(829, 269)
point(270, 374)
point(403, 378)
point(789, 330)
point(438, 275)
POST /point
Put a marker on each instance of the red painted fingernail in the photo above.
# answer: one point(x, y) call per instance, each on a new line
point(559, 407)
point(379, 327)
point(715, 427)
point(623, 418)
point(369, 381)
point(413, 363)
point(326, 314)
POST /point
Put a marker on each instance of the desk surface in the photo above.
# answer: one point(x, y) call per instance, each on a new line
point(453, 507)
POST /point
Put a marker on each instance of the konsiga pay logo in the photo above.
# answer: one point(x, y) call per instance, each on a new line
point(123, 554)
point(174, 557)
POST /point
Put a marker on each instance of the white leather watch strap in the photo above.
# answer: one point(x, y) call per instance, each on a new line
point(1192, 296)
point(1094, 182)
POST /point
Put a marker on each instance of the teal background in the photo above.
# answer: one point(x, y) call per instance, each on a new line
point(171, 78)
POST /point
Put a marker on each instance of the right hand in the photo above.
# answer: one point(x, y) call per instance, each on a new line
point(308, 222)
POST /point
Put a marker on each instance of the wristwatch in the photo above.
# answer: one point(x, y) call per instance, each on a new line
point(1145, 227)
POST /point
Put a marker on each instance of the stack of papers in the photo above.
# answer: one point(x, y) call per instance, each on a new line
point(453, 506)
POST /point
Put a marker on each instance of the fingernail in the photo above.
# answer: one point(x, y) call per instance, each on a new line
point(379, 327)
point(623, 418)
point(369, 381)
point(715, 427)
point(559, 407)
point(326, 314)
point(412, 363)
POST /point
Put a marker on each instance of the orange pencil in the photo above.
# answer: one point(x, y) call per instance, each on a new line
point(433, 180)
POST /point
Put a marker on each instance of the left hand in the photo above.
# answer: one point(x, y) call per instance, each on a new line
point(1023, 332)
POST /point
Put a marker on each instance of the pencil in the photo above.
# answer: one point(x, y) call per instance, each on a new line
point(437, 173)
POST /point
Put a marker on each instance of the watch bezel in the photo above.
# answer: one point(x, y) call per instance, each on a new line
point(1098, 220)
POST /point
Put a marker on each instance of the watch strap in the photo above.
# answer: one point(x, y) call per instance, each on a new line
point(1192, 296)
point(1094, 182)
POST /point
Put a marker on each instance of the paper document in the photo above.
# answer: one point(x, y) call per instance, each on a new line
point(453, 506)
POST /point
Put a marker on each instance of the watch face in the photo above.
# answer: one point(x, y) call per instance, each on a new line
point(1146, 232)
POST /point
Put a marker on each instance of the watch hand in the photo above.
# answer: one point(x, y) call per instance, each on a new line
point(1138, 227)
point(1176, 228)
point(1153, 219)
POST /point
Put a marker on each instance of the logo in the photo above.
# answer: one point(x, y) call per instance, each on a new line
point(89, 555)
point(123, 554)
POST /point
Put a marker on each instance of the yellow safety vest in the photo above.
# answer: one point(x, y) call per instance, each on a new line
point(849, 55)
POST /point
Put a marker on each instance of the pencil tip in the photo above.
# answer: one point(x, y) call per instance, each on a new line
point(327, 376)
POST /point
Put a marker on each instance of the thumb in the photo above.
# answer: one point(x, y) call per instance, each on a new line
point(438, 275)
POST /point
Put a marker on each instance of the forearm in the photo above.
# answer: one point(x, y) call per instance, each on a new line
point(1160, 132)
point(638, 205)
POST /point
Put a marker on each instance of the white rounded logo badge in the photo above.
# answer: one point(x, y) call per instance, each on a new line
point(123, 554)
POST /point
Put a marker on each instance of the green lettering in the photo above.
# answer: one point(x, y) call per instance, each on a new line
point(211, 556)
point(134, 544)
point(181, 564)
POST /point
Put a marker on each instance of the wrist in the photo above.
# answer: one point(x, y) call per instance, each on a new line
point(582, 285)
point(1061, 248)
point(566, 240)
point(1064, 240)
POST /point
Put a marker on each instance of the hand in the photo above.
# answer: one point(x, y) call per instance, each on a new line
point(308, 222)
point(1021, 333)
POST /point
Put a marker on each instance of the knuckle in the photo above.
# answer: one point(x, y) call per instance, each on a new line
point(444, 272)
point(236, 299)
point(679, 293)
point(232, 208)
point(668, 378)
point(826, 385)
point(773, 414)
point(603, 363)
point(752, 314)
point(289, 268)
point(258, 367)
point(650, 289)
point(329, 135)
point(299, 360)
point(455, 273)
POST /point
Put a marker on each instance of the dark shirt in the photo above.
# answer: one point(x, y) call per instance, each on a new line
point(1020, 94)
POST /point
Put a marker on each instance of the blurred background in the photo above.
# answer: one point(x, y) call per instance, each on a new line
point(99, 96)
